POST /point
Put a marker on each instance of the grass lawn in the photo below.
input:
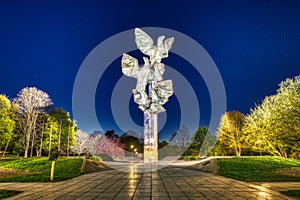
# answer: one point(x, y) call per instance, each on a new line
point(8, 193)
point(257, 169)
point(38, 169)
point(294, 193)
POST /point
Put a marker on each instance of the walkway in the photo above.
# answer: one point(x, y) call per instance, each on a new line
point(167, 183)
point(281, 186)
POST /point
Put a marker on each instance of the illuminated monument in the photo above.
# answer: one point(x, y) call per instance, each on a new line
point(150, 74)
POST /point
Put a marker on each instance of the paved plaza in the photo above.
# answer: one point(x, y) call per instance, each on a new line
point(167, 183)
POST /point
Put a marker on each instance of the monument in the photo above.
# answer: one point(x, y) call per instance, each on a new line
point(149, 75)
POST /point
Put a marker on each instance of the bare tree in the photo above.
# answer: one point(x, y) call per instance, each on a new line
point(181, 138)
point(30, 102)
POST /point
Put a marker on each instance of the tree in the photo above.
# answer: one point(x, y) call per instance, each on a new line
point(39, 132)
point(129, 138)
point(7, 124)
point(196, 142)
point(274, 124)
point(59, 131)
point(110, 146)
point(111, 134)
point(97, 143)
point(82, 142)
point(94, 140)
point(30, 102)
point(162, 144)
point(230, 132)
point(201, 143)
point(199, 135)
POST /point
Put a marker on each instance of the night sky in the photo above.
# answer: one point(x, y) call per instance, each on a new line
point(254, 44)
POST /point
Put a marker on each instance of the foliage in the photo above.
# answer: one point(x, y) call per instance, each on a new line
point(30, 102)
point(274, 124)
point(196, 142)
point(230, 134)
point(257, 168)
point(8, 193)
point(129, 138)
point(187, 158)
point(110, 146)
point(98, 144)
point(294, 193)
point(201, 142)
point(218, 150)
point(162, 144)
point(7, 123)
point(95, 158)
point(82, 141)
point(61, 129)
point(199, 135)
point(65, 168)
point(111, 134)
point(25, 125)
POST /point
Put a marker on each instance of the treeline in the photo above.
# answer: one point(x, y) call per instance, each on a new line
point(108, 143)
point(272, 127)
point(98, 143)
point(31, 126)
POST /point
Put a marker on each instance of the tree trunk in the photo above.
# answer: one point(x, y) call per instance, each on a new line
point(238, 152)
point(41, 145)
point(27, 145)
point(50, 140)
point(32, 141)
point(68, 141)
point(29, 126)
point(6, 146)
point(27, 137)
point(59, 135)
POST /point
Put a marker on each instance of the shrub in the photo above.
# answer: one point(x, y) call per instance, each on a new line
point(295, 155)
point(190, 157)
point(95, 158)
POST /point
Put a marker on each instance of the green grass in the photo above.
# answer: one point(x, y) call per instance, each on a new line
point(39, 169)
point(257, 169)
point(187, 158)
point(8, 193)
point(294, 193)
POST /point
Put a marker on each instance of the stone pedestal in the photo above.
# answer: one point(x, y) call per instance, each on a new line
point(150, 138)
point(150, 132)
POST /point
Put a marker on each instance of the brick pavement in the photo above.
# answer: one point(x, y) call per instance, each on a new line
point(167, 183)
point(281, 186)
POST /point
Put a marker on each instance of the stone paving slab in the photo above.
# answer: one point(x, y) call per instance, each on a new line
point(280, 186)
point(167, 183)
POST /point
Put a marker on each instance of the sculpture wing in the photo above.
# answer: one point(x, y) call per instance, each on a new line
point(164, 89)
point(143, 41)
point(168, 43)
point(129, 65)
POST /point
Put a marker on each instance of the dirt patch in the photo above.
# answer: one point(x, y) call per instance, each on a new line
point(290, 172)
point(5, 173)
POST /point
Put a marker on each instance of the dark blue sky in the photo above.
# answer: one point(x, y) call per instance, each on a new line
point(255, 45)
